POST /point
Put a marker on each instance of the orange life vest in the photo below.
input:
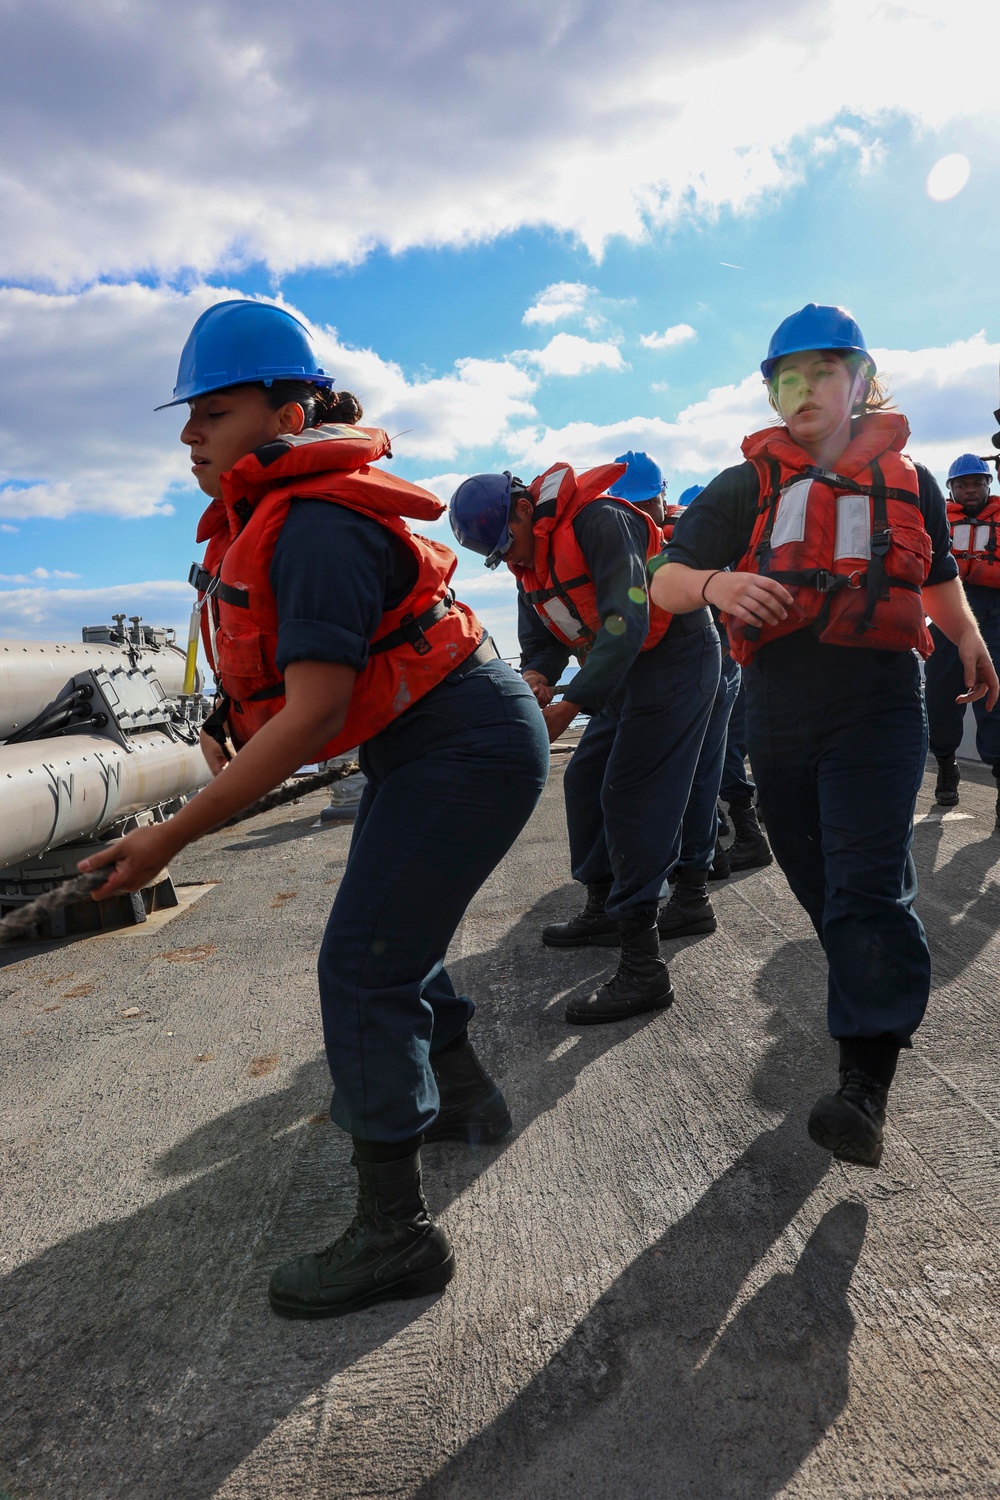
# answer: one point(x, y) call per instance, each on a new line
point(851, 547)
point(975, 543)
point(559, 586)
point(416, 644)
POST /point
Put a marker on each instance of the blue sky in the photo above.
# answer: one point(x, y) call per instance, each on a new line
point(482, 223)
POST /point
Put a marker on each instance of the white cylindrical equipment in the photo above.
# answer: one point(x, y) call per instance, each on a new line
point(59, 790)
point(34, 673)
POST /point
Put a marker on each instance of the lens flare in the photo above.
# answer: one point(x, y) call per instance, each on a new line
point(948, 177)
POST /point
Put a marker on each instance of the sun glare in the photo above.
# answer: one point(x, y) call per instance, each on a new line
point(948, 177)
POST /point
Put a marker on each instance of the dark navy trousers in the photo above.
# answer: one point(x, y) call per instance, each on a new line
point(700, 827)
point(451, 783)
point(628, 782)
point(737, 787)
point(944, 680)
point(838, 742)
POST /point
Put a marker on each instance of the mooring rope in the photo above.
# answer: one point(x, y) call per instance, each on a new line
point(23, 921)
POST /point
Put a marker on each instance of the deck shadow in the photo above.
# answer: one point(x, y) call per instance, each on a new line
point(139, 1355)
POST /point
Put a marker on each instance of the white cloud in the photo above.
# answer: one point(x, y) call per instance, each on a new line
point(112, 351)
point(680, 333)
point(163, 136)
point(57, 614)
point(569, 354)
point(946, 393)
point(35, 573)
point(561, 300)
point(9, 530)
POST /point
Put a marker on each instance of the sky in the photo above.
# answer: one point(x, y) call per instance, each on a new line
point(552, 230)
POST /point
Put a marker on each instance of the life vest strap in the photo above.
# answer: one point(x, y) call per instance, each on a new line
point(542, 596)
point(211, 585)
point(410, 631)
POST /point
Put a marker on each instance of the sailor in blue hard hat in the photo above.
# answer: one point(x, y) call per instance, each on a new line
point(335, 625)
point(974, 519)
point(580, 553)
point(825, 540)
point(642, 484)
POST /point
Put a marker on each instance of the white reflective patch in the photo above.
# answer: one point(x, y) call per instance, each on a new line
point(961, 536)
point(562, 619)
point(330, 432)
point(790, 522)
point(982, 538)
point(550, 485)
point(854, 528)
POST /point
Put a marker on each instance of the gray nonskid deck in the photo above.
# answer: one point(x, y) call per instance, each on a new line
point(663, 1290)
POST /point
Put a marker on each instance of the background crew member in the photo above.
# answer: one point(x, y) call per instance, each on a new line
point(834, 561)
point(689, 912)
point(749, 849)
point(974, 519)
point(647, 681)
point(320, 597)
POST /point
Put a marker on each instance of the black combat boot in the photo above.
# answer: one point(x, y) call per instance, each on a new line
point(689, 912)
point(724, 827)
point(641, 982)
point(472, 1107)
point(750, 849)
point(851, 1122)
point(721, 868)
point(948, 777)
point(590, 927)
point(392, 1248)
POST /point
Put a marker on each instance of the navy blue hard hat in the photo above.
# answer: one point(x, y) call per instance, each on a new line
point(691, 493)
point(643, 479)
point(968, 463)
point(816, 327)
point(479, 513)
point(239, 342)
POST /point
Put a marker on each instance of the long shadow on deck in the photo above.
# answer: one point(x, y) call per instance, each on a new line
point(662, 1390)
point(139, 1359)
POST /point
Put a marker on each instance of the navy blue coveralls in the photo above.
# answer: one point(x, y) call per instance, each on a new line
point(700, 828)
point(944, 679)
point(451, 783)
point(628, 782)
point(838, 742)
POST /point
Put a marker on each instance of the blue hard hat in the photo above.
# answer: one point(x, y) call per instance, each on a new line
point(643, 479)
point(234, 343)
point(968, 463)
point(815, 327)
point(691, 493)
point(479, 513)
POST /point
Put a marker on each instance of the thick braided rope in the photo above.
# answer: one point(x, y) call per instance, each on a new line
point(23, 921)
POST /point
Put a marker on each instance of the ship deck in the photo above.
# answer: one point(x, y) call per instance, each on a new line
point(663, 1289)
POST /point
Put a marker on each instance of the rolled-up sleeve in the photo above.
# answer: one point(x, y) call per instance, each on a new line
point(334, 573)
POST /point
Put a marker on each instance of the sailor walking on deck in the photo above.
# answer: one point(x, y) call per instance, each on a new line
point(974, 520)
point(836, 542)
point(333, 625)
point(648, 681)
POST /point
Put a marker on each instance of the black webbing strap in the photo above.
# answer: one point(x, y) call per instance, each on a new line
point(542, 596)
point(410, 631)
point(211, 585)
point(215, 725)
point(768, 504)
point(881, 539)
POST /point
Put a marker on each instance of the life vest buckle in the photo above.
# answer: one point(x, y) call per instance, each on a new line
point(413, 635)
point(855, 579)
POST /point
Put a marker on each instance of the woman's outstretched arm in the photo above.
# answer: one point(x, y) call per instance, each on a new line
point(318, 697)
